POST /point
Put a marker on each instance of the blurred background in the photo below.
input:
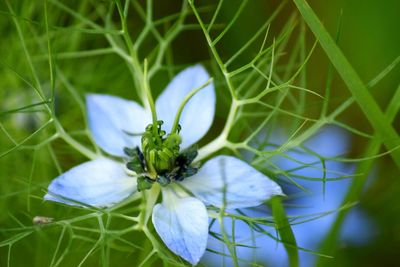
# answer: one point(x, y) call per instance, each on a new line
point(31, 154)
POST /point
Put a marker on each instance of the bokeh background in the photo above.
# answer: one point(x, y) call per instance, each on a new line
point(369, 38)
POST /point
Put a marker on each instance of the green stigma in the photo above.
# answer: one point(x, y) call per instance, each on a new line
point(160, 159)
point(160, 151)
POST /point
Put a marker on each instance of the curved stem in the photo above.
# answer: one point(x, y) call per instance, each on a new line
point(150, 99)
point(75, 144)
point(185, 100)
point(148, 201)
point(133, 60)
point(222, 140)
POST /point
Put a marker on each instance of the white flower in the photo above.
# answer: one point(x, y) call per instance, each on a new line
point(181, 220)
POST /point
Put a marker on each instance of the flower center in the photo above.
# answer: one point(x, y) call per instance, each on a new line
point(160, 159)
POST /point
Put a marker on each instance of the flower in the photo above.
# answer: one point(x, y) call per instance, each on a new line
point(181, 220)
point(310, 204)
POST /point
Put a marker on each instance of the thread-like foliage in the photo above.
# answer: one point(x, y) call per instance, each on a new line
point(54, 52)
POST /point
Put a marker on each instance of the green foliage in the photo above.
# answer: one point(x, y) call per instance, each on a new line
point(54, 52)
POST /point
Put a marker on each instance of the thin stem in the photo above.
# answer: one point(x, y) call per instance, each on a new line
point(222, 140)
point(150, 98)
point(75, 144)
point(185, 100)
point(214, 51)
point(134, 60)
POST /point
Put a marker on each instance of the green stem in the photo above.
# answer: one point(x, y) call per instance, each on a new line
point(150, 99)
point(134, 59)
point(185, 100)
point(149, 199)
point(355, 190)
point(214, 50)
point(222, 140)
point(285, 231)
point(384, 130)
point(75, 144)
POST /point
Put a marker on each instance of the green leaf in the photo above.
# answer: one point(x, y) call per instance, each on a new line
point(329, 244)
point(285, 231)
point(373, 113)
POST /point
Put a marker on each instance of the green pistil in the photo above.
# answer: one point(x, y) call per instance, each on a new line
point(160, 159)
point(176, 126)
point(160, 151)
point(151, 102)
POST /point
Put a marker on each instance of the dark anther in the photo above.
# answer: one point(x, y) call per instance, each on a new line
point(163, 180)
point(189, 171)
point(135, 166)
point(136, 162)
point(187, 156)
point(183, 166)
point(129, 151)
point(141, 157)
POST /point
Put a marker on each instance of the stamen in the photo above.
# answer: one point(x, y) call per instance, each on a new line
point(160, 159)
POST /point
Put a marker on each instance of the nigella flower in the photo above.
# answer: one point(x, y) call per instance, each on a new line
point(314, 206)
point(161, 154)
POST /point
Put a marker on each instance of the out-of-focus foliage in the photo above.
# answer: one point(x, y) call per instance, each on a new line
point(264, 59)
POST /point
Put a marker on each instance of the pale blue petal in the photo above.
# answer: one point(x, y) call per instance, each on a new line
point(228, 180)
point(111, 118)
point(198, 114)
point(101, 183)
point(182, 223)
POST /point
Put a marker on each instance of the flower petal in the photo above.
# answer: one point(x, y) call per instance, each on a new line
point(101, 183)
point(111, 118)
point(228, 180)
point(182, 223)
point(198, 114)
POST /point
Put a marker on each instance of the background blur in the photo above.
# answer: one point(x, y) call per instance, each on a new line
point(369, 38)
